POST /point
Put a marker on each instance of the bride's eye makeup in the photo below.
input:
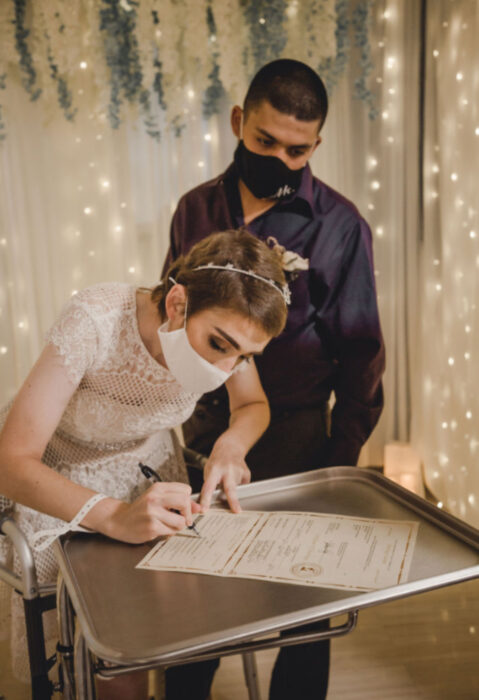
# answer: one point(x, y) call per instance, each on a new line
point(215, 345)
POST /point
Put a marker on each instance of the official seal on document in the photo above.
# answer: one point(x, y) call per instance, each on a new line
point(306, 570)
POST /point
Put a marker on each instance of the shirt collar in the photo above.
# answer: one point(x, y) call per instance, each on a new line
point(301, 201)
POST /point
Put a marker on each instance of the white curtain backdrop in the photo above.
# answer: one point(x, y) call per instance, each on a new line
point(446, 428)
point(80, 203)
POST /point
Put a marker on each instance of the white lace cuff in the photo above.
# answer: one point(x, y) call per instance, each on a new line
point(44, 538)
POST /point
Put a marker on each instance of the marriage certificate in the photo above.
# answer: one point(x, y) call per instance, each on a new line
point(309, 549)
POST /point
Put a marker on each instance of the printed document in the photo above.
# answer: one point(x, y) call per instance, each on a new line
point(309, 549)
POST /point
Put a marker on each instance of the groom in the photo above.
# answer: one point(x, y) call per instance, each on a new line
point(332, 343)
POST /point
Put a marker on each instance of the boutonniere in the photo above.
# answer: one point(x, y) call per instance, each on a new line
point(292, 263)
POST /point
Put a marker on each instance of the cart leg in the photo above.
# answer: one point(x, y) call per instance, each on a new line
point(41, 685)
point(66, 633)
point(251, 675)
point(84, 680)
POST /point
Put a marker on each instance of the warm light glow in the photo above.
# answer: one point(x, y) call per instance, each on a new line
point(459, 76)
point(87, 211)
point(83, 65)
point(3, 350)
point(375, 185)
point(207, 137)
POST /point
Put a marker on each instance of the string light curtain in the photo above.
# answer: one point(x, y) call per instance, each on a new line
point(446, 426)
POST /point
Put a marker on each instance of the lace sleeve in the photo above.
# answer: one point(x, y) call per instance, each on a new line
point(75, 337)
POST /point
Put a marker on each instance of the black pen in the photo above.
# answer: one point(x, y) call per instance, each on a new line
point(151, 474)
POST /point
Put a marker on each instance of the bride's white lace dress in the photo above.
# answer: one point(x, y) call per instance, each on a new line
point(122, 412)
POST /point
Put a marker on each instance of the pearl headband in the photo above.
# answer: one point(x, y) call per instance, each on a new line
point(229, 267)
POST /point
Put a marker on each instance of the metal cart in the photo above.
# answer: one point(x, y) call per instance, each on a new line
point(130, 619)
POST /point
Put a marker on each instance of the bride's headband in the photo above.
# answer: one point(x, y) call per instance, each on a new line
point(282, 289)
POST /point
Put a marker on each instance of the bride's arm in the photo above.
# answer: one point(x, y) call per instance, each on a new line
point(24, 478)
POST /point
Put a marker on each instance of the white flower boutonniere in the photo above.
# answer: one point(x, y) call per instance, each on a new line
point(292, 263)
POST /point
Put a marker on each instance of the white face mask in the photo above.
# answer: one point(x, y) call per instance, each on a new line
point(193, 372)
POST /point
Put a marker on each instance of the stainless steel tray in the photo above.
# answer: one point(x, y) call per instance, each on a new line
point(132, 616)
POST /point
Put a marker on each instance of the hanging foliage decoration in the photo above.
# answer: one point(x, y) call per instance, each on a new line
point(108, 56)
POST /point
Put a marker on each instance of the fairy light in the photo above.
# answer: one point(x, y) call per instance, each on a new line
point(105, 184)
point(83, 65)
point(459, 76)
point(454, 177)
point(207, 137)
point(201, 164)
point(87, 211)
point(262, 20)
point(472, 234)
point(375, 185)
point(292, 9)
point(131, 270)
point(3, 350)
point(435, 53)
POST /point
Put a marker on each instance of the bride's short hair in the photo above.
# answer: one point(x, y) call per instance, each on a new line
point(261, 300)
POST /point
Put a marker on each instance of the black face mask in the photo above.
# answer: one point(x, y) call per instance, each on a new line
point(267, 177)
